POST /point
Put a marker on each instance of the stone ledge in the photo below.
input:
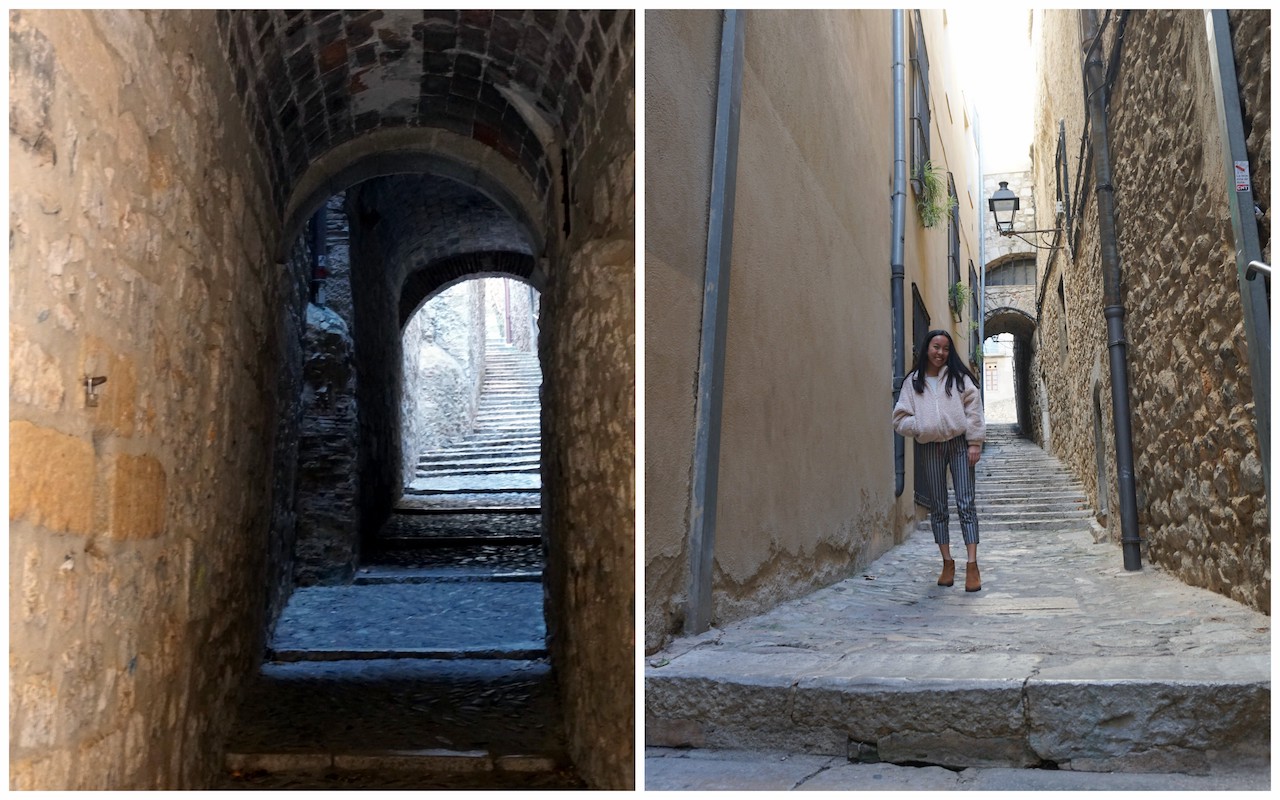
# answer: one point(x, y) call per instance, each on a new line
point(1129, 714)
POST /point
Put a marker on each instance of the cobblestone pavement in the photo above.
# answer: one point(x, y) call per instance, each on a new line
point(706, 770)
point(1049, 599)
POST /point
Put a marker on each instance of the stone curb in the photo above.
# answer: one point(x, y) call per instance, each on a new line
point(446, 654)
point(412, 761)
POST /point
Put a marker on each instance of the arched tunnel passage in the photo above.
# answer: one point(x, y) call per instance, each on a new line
point(463, 170)
point(1007, 365)
point(420, 532)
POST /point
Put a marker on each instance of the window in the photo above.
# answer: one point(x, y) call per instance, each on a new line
point(919, 321)
point(1020, 272)
point(953, 233)
point(919, 99)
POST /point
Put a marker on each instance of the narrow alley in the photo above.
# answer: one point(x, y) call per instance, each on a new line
point(1056, 225)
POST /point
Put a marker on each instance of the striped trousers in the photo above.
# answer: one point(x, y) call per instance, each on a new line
point(938, 456)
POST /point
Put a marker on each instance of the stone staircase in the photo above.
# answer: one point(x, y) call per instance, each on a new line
point(1021, 488)
point(428, 670)
point(1064, 660)
point(496, 465)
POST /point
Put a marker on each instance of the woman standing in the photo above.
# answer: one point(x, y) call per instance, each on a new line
point(941, 407)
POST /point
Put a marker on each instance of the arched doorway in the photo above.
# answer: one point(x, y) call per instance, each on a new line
point(1010, 330)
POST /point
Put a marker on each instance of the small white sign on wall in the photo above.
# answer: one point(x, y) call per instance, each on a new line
point(1242, 176)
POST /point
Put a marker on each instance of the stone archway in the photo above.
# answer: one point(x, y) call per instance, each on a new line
point(1015, 321)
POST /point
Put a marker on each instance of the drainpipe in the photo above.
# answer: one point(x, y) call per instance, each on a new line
point(1253, 295)
point(1113, 310)
point(715, 312)
point(982, 269)
point(896, 271)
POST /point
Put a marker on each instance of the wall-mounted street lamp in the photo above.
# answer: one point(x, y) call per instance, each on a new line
point(1004, 204)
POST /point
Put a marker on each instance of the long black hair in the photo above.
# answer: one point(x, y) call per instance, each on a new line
point(955, 367)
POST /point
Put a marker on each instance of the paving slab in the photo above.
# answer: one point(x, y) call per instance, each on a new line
point(701, 771)
point(667, 769)
point(384, 618)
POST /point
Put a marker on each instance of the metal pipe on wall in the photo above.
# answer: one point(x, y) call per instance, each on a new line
point(897, 232)
point(1113, 310)
point(1253, 294)
point(715, 303)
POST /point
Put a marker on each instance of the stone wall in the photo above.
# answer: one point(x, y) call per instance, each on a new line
point(140, 250)
point(1200, 495)
point(1001, 248)
point(327, 548)
point(512, 303)
point(587, 351)
point(375, 287)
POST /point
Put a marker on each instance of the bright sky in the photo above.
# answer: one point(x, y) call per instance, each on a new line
point(993, 54)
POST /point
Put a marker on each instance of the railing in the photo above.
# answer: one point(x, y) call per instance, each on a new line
point(1255, 267)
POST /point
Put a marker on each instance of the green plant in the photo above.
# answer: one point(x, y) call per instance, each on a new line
point(958, 295)
point(933, 201)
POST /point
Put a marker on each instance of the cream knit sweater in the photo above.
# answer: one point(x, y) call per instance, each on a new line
point(935, 417)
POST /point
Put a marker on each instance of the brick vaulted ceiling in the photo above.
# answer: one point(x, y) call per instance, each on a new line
point(311, 80)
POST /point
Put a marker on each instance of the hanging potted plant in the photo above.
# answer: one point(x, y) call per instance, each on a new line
point(933, 201)
point(957, 296)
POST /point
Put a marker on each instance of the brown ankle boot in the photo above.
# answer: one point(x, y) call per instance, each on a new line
point(948, 576)
point(972, 580)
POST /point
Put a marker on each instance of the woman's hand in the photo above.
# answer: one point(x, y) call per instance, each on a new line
point(975, 453)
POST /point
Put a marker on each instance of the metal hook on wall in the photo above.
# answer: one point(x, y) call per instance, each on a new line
point(91, 385)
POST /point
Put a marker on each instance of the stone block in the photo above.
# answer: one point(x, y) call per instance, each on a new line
point(518, 763)
point(663, 732)
point(423, 761)
point(51, 478)
point(34, 376)
point(138, 498)
point(279, 762)
point(1154, 723)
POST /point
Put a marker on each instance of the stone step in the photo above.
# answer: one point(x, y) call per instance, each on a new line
point(522, 500)
point(480, 457)
point(533, 439)
point(997, 515)
point(405, 723)
point(455, 461)
point(959, 710)
point(444, 470)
